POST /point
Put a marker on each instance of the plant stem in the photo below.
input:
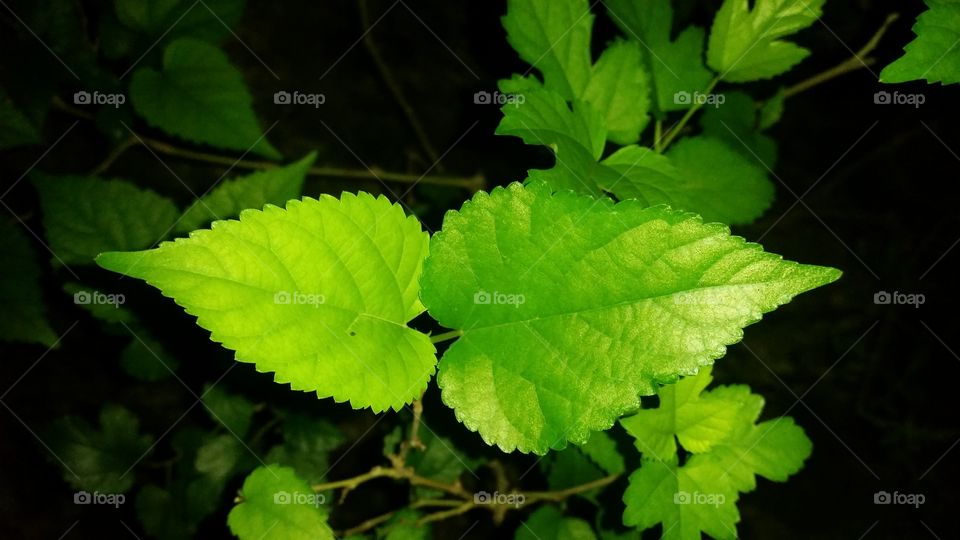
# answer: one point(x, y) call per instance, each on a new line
point(444, 514)
point(673, 133)
point(658, 136)
point(857, 61)
point(367, 525)
point(559, 495)
point(446, 336)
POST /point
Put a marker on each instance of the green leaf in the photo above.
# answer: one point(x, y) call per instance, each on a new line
point(746, 44)
point(620, 92)
point(570, 467)
point(602, 450)
point(99, 460)
point(540, 283)
point(102, 306)
point(22, 317)
point(306, 446)
point(227, 200)
point(15, 128)
point(554, 37)
point(86, 216)
point(577, 137)
point(319, 292)
point(686, 500)
point(233, 411)
point(547, 523)
point(772, 109)
point(403, 526)
point(736, 122)
point(697, 174)
point(933, 56)
point(145, 359)
point(200, 97)
point(675, 65)
point(168, 20)
point(278, 505)
point(441, 460)
point(219, 456)
point(698, 422)
point(729, 450)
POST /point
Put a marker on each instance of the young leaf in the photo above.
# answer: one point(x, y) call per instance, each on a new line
point(577, 137)
point(676, 65)
point(933, 56)
point(306, 445)
point(697, 174)
point(276, 504)
point(746, 45)
point(554, 37)
point(547, 523)
point(539, 283)
point(319, 292)
point(87, 216)
point(200, 97)
point(602, 450)
point(100, 460)
point(233, 411)
point(273, 186)
point(21, 318)
point(620, 92)
point(772, 109)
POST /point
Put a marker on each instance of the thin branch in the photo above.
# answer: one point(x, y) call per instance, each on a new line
point(559, 495)
point(444, 514)
point(859, 60)
point(367, 525)
point(446, 336)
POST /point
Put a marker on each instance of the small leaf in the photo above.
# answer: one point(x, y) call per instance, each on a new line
point(85, 216)
point(22, 317)
point(441, 460)
point(602, 450)
point(772, 109)
point(278, 505)
point(99, 460)
point(542, 286)
point(227, 200)
point(200, 97)
point(145, 359)
point(554, 37)
point(933, 56)
point(232, 411)
point(319, 292)
point(306, 446)
point(746, 44)
point(219, 456)
point(736, 122)
point(546, 523)
point(620, 91)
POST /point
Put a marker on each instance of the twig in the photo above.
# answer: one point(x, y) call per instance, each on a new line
point(414, 440)
point(559, 495)
point(393, 85)
point(444, 514)
point(367, 525)
point(859, 60)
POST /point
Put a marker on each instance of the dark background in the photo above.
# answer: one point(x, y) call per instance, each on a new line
point(876, 383)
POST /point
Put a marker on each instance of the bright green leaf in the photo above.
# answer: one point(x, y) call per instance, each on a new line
point(99, 459)
point(22, 317)
point(933, 56)
point(539, 283)
point(554, 37)
point(547, 523)
point(676, 65)
point(620, 92)
point(746, 44)
point(200, 97)
point(85, 216)
point(232, 411)
point(697, 174)
point(319, 292)
point(278, 505)
point(227, 200)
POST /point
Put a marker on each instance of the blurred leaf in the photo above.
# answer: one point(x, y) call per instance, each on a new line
point(602, 450)
point(772, 109)
point(22, 317)
point(441, 460)
point(218, 456)
point(145, 359)
point(306, 447)
point(547, 523)
point(736, 122)
point(403, 526)
point(102, 306)
point(99, 459)
point(209, 20)
point(200, 97)
point(15, 128)
point(571, 467)
point(230, 410)
point(85, 216)
point(227, 200)
point(278, 505)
